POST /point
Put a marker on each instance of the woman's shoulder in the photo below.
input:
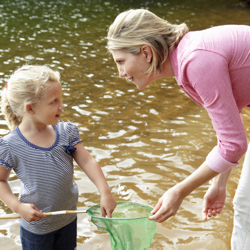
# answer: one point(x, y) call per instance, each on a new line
point(227, 28)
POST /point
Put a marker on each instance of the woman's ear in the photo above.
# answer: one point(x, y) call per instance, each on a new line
point(147, 52)
point(30, 109)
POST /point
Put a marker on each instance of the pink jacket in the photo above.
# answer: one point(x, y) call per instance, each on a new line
point(212, 67)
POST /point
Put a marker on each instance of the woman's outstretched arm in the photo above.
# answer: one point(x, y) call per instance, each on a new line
point(170, 202)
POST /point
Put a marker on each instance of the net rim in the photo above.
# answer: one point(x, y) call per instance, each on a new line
point(120, 202)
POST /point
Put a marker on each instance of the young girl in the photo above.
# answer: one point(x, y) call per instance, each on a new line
point(40, 149)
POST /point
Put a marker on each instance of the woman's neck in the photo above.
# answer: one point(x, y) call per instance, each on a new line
point(167, 69)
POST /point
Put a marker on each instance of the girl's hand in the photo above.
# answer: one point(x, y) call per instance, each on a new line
point(214, 201)
point(30, 212)
point(108, 205)
point(167, 205)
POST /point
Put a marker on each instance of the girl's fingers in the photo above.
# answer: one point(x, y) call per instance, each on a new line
point(103, 212)
point(157, 207)
point(159, 216)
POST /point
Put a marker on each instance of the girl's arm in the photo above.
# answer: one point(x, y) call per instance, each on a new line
point(28, 212)
point(170, 202)
point(94, 172)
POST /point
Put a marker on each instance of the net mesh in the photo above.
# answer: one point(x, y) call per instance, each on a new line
point(129, 227)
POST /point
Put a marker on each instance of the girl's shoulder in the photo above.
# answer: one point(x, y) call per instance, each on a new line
point(3, 141)
point(6, 149)
point(68, 131)
point(66, 126)
point(11, 137)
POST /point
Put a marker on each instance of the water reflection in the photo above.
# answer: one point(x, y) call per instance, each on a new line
point(146, 141)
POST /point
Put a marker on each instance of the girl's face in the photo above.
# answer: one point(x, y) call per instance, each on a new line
point(133, 67)
point(48, 110)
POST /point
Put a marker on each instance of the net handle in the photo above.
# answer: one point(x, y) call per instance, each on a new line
point(17, 216)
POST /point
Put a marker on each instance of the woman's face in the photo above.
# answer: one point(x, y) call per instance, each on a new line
point(133, 67)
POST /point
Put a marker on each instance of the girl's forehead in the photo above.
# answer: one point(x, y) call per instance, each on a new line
point(55, 85)
point(53, 88)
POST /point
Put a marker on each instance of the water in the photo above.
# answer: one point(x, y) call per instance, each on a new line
point(146, 141)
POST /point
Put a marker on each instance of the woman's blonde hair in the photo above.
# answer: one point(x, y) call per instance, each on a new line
point(134, 28)
point(27, 84)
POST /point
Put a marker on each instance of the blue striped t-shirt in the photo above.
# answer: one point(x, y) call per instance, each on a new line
point(46, 174)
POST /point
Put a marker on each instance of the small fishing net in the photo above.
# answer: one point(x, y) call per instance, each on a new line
point(129, 227)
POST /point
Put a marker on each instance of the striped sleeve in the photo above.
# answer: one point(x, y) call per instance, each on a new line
point(73, 133)
point(6, 159)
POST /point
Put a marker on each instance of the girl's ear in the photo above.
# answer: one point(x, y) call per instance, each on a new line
point(30, 109)
point(147, 52)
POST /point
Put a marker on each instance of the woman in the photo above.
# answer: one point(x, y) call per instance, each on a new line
point(213, 68)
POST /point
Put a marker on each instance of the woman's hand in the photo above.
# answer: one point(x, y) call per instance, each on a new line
point(167, 205)
point(108, 205)
point(170, 202)
point(214, 201)
point(30, 212)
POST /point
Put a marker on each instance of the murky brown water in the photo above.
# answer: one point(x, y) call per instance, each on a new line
point(146, 141)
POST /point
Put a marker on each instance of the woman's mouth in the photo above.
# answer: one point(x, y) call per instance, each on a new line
point(129, 79)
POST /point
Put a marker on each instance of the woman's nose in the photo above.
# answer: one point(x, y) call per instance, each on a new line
point(122, 73)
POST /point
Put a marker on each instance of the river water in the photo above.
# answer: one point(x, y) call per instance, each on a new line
point(146, 141)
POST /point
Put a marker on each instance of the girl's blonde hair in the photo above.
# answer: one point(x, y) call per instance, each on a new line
point(134, 28)
point(27, 84)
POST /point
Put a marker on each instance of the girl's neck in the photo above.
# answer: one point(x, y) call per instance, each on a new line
point(41, 136)
point(31, 127)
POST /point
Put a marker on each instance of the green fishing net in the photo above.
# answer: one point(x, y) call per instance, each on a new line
point(129, 227)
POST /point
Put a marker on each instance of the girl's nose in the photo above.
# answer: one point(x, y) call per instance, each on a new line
point(61, 106)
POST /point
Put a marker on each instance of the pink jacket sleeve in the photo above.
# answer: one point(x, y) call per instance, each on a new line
point(209, 83)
